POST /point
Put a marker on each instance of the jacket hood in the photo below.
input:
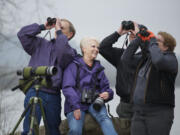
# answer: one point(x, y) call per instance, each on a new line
point(96, 65)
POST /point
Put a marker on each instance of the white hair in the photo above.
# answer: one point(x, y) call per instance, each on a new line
point(85, 42)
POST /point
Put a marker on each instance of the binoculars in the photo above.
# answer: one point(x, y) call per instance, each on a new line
point(128, 25)
point(51, 21)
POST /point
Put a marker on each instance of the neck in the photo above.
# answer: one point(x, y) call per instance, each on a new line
point(88, 61)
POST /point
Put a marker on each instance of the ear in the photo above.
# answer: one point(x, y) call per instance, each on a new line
point(83, 49)
point(70, 34)
point(166, 48)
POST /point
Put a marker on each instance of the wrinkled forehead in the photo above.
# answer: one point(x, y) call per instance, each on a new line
point(86, 42)
point(159, 37)
point(92, 42)
point(65, 24)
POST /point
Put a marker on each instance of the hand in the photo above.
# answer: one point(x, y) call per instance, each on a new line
point(121, 31)
point(136, 29)
point(77, 114)
point(104, 95)
point(58, 24)
point(48, 27)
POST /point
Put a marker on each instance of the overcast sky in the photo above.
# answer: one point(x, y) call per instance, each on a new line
point(99, 18)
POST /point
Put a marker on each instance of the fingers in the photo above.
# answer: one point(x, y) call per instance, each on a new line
point(53, 23)
point(104, 95)
point(58, 24)
point(136, 28)
point(48, 27)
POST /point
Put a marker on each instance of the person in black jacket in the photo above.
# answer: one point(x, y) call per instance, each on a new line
point(153, 95)
point(124, 77)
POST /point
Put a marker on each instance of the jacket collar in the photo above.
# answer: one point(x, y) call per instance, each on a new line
point(96, 66)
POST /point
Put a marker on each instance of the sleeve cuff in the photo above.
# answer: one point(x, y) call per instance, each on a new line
point(153, 40)
point(117, 34)
point(75, 107)
point(42, 27)
point(59, 32)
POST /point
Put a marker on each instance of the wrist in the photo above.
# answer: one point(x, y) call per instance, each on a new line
point(120, 33)
point(58, 32)
point(117, 34)
point(42, 27)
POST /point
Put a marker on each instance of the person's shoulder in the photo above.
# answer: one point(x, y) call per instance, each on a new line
point(98, 64)
point(170, 54)
point(71, 65)
point(76, 61)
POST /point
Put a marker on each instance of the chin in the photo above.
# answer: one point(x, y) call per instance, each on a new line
point(94, 57)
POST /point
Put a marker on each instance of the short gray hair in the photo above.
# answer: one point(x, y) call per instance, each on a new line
point(85, 41)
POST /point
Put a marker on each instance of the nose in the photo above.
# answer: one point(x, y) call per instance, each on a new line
point(97, 49)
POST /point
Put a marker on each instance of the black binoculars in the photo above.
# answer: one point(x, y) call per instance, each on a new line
point(51, 21)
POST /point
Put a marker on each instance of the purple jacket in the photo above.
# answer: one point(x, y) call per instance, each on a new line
point(56, 52)
point(86, 76)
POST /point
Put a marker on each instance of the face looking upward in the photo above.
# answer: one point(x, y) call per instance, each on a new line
point(65, 29)
point(131, 37)
point(160, 41)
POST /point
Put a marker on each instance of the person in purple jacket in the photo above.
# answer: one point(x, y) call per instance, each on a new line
point(81, 80)
point(56, 52)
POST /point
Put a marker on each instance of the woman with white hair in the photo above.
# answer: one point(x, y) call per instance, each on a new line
point(86, 89)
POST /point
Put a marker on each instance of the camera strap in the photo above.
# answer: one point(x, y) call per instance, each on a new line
point(77, 77)
point(125, 41)
point(49, 32)
point(96, 79)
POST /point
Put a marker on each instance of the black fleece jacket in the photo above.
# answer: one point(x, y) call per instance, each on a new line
point(125, 73)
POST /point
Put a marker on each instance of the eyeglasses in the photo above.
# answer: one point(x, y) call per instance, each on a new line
point(158, 40)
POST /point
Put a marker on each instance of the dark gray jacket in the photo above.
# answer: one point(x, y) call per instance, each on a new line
point(161, 76)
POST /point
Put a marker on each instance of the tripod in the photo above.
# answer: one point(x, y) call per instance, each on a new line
point(33, 102)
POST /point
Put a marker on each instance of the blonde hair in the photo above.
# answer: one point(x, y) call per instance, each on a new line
point(85, 42)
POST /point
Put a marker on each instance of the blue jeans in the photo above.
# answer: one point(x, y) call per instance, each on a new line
point(75, 126)
point(52, 108)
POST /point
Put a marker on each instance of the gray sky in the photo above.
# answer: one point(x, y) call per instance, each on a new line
point(97, 18)
point(102, 17)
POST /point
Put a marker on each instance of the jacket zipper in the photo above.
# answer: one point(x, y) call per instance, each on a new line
point(134, 86)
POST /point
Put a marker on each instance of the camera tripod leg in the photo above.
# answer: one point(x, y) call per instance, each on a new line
point(33, 120)
point(44, 117)
point(20, 119)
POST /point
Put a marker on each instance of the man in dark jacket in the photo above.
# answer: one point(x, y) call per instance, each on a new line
point(153, 91)
point(124, 77)
point(56, 52)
